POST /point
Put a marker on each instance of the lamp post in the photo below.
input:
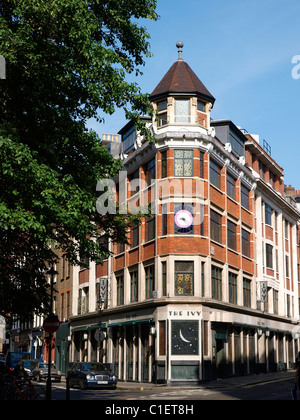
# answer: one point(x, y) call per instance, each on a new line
point(51, 324)
point(100, 335)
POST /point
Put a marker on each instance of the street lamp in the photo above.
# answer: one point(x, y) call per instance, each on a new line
point(50, 326)
point(100, 335)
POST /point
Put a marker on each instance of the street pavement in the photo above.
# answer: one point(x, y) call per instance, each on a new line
point(272, 386)
point(241, 381)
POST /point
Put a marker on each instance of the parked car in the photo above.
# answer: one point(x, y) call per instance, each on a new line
point(40, 372)
point(91, 375)
point(27, 367)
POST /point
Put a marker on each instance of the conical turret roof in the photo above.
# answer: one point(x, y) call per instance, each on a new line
point(181, 80)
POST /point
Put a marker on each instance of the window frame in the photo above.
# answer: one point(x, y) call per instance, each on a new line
point(184, 160)
point(216, 283)
point(269, 256)
point(215, 174)
point(134, 236)
point(247, 291)
point(149, 281)
point(245, 197)
point(268, 214)
point(248, 247)
point(149, 228)
point(231, 187)
point(233, 289)
point(120, 289)
point(232, 235)
point(134, 285)
point(184, 274)
point(164, 160)
point(215, 227)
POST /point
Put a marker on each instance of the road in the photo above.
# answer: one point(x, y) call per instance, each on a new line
point(279, 389)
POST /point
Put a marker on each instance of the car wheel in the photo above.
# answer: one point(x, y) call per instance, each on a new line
point(82, 385)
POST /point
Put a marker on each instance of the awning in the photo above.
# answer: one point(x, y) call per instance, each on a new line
point(132, 322)
point(88, 328)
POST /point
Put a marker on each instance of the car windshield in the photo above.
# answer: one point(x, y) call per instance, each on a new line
point(92, 366)
point(45, 366)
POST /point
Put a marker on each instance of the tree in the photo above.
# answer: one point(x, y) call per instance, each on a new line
point(66, 62)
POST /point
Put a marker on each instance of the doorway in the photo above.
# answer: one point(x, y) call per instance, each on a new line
point(220, 358)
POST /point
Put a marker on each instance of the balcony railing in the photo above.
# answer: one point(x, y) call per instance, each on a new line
point(163, 120)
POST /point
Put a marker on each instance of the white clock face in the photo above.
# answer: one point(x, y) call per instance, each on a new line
point(183, 219)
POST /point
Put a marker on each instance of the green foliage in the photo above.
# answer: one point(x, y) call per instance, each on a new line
point(66, 62)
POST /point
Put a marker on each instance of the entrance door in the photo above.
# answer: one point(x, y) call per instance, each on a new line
point(220, 358)
point(145, 353)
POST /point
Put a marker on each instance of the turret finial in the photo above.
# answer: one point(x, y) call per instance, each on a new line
point(179, 45)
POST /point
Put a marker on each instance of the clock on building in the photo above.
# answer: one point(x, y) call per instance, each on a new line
point(184, 219)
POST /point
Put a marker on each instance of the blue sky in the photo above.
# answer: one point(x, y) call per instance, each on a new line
point(242, 51)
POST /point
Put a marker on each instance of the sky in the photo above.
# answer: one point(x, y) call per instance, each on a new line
point(246, 52)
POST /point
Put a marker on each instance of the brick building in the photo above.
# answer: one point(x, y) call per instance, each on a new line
point(208, 286)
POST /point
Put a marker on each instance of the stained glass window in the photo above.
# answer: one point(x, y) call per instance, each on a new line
point(183, 163)
point(184, 278)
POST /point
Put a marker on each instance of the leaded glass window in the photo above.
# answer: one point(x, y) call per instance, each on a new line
point(182, 110)
point(183, 163)
point(184, 278)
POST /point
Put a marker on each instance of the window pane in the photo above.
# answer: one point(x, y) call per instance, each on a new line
point(164, 164)
point(245, 197)
point(164, 278)
point(231, 187)
point(134, 286)
point(231, 235)
point(215, 174)
point(149, 271)
point(215, 225)
point(245, 243)
point(216, 278)
point(233, 288)
point(184, 278)
point(269, 255)
point(182, 110)
point(162, 105)
point(247, 292)
point(183, 163)
point(268, 215)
